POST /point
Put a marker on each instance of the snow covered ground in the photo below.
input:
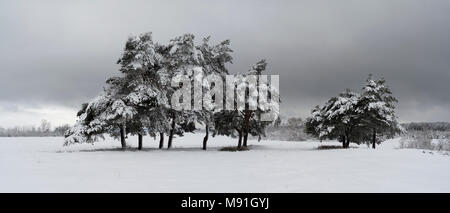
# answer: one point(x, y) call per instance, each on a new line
point(44, 165)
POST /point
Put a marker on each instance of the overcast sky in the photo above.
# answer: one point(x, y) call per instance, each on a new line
point(54, 55)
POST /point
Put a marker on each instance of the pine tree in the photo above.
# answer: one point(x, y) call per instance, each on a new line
point(253, 123)
point(213, 62)
point(140, 64)
point(227, 122)
point(378, 106)
point(337, 119)
point(104, 114)
point(246, 120)
point(352, 117)
point(82, 132)
point(180, 58)
point(134, 93)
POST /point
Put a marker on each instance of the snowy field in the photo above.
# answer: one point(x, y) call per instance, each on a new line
point(44, 165)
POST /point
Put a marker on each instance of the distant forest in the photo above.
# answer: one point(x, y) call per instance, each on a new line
point(291, 129)
point(43, 130)
point(430, 126)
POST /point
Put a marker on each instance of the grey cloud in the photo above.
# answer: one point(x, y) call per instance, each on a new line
point(61, 52)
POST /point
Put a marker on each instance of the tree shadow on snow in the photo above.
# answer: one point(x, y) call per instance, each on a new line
point(209, 149)
point(328, 147)
point(134, 149)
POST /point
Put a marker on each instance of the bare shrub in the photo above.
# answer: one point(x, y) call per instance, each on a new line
point(426, 139)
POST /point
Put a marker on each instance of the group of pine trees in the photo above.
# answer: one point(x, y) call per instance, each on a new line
point(138, 101)
point(367, 117)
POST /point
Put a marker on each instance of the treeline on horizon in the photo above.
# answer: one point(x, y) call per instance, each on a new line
point(44, 129)
point(430, 126)
point(292, 129)
point(286, 129)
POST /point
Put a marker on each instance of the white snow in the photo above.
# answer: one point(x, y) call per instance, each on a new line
point(44, 165)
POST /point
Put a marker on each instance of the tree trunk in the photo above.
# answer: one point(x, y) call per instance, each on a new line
point(246, 127)
point(344, 142)
point(161, 140)
point(172, 130)
point(245, 139)
point(122, 137)
point(374, 138)
point(139, 141)
point(205, 139)
point(240, 139)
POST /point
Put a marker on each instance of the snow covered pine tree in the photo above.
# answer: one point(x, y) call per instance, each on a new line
point(213, 61)
point(127, 101)
point(378, 110)
point(352, 117)
point(245, 118)
point(337, 119)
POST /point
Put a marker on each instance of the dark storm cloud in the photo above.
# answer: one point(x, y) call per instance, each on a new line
point(61, 52)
